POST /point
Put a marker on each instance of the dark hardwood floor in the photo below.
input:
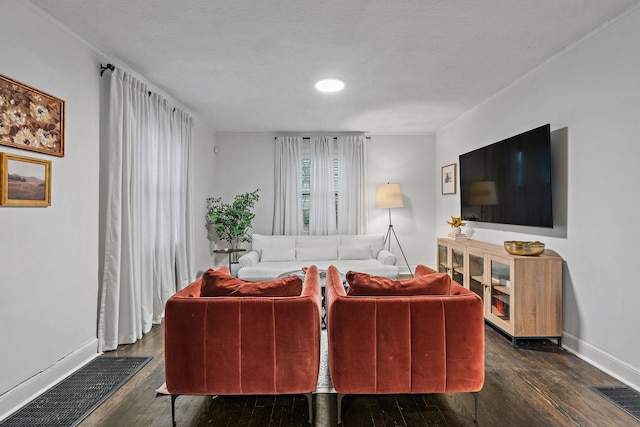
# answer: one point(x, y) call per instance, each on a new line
point(537, 384)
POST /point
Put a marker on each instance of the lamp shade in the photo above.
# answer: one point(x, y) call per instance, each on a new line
point(389, 196)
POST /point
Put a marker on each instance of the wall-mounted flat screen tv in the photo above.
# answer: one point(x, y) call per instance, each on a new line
point(509, 182)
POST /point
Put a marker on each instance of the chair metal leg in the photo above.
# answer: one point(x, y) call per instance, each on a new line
point(340, 396)
point(475, 400)
point(309, 397)
point(173, 409)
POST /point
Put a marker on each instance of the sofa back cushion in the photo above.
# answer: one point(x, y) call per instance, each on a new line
point(274, 248)
point(362, 284)
point(317, 248)
point(376, 241)
point(318, 253)
point(354, 252)
point(309, 241)
point(219, 283)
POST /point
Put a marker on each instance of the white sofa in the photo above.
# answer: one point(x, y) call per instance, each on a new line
point(271, 256)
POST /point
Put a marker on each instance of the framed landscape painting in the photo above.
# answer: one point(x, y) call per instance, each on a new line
point(24, 181)
point(30, 119)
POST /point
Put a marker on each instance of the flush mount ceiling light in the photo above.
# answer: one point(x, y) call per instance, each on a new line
point(330, 85)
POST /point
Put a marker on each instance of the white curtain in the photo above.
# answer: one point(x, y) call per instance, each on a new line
point(322, 207)
point(352, 200)
point(148, 238)
point(287, 210)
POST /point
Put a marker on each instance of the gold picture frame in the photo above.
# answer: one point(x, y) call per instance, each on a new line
point(24, 181)
point(30, 119)
point(449, 179)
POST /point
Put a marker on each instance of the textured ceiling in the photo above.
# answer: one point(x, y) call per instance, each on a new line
point(408, 66)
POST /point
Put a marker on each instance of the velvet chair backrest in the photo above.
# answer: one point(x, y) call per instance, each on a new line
point(243, 345)
point(407, 344)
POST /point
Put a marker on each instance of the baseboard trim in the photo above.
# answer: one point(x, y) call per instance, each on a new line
point(602, 360)
point(24, 392)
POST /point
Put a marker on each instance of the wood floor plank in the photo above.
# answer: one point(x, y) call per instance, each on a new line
point(390, 412)
point(411, 414)
point(428, 410)
point(536, 383)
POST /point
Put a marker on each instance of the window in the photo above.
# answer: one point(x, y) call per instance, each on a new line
point(306, 191)
point(306, 183)
point(339, 198)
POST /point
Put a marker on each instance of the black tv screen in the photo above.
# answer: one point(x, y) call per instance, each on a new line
point(509, 182)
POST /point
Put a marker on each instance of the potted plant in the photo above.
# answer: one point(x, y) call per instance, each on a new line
point(231, 221)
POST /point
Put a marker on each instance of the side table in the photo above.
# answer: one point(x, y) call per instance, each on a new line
point(229, 251)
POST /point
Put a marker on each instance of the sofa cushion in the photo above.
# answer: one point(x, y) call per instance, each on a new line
point(376, 241)
point(354, 252)
point(219, 283)
point(386, 257)
point(317, 253)
point(308, 241)
point(277, 254)
point(274, 248)
point(250, 258)
point(361, 284)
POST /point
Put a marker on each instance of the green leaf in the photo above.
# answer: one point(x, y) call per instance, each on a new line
point(231, 221)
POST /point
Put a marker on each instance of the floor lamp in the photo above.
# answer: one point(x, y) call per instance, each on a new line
point(390, 196)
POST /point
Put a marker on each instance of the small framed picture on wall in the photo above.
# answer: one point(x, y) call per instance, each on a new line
point(24, 181)
point(449, 179)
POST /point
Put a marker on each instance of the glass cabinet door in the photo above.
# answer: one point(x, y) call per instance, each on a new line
point(500, 290)
point(476, 274)
point(457, 265)
point(443, 259)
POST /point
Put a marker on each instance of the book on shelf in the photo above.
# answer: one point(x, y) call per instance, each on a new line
point(458, 236)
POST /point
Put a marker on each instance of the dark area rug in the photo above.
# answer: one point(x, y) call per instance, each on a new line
point(71, 400)
point(625, 398)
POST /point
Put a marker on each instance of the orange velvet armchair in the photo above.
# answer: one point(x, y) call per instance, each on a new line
point(405, 344)
point(243, 345)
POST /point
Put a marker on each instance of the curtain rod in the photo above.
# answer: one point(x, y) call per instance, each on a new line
point(104, 68)
point(308, 137)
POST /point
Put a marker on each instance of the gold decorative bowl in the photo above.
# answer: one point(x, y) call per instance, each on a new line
point(517, 247)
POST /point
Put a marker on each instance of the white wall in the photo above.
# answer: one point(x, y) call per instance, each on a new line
point(408, 160)
point(590, 94)
point(246, 161)
point(48, 267)
point(49, 256)
point(204, 183)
